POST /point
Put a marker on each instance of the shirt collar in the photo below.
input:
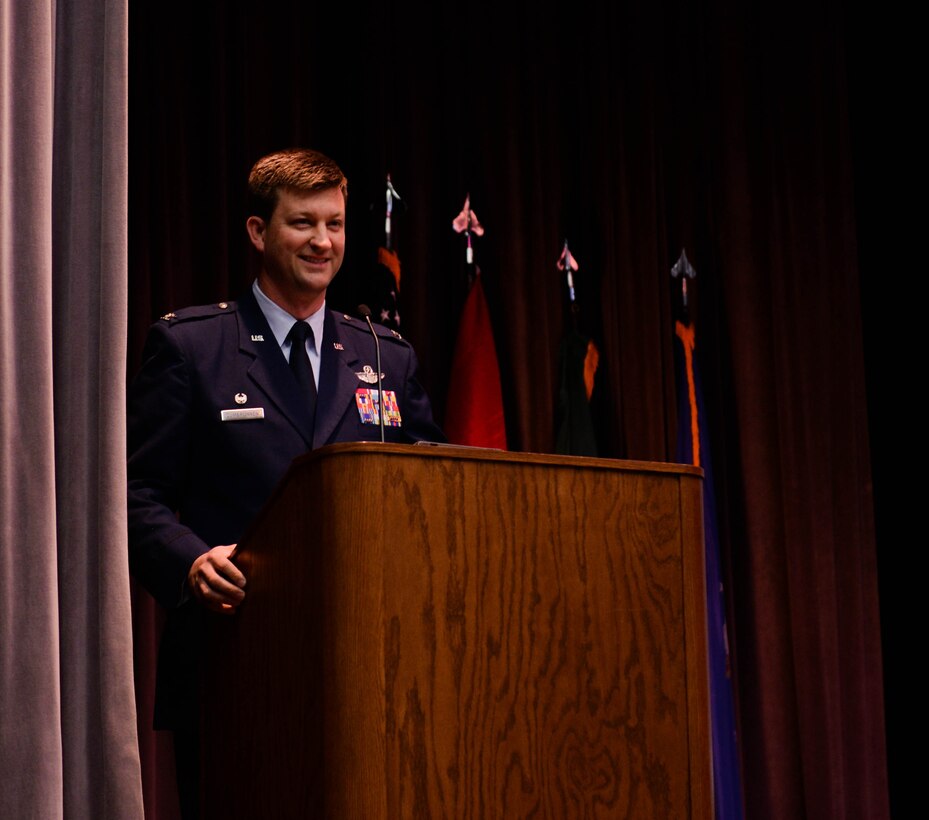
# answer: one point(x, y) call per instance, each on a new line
point(280, 321)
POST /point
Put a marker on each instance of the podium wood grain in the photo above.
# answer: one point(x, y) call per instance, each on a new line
point(435, 632)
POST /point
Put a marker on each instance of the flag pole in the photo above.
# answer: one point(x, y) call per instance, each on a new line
point(693, 447)
point(474, 413)
point(383, 282)
point(578, 359)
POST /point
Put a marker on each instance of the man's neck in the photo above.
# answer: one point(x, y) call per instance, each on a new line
point(297, 307)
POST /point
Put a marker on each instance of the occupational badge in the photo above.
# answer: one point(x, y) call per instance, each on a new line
point(368, 375)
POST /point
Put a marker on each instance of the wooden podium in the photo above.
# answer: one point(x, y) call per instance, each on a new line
point(443, 632)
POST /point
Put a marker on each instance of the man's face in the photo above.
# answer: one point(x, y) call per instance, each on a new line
point(302, 244)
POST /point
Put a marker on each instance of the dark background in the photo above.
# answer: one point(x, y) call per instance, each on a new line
point(764, 139)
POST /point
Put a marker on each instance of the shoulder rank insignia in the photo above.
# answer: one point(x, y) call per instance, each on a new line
point(395, 333)
point(169, 316)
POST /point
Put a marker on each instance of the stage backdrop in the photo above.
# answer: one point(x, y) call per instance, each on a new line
point(633, 133)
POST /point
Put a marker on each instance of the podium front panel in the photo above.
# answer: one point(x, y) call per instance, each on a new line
point(457, 633)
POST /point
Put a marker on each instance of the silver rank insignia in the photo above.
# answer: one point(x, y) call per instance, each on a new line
point(367, 375)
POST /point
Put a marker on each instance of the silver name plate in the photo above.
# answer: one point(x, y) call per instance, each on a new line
point(242, 414)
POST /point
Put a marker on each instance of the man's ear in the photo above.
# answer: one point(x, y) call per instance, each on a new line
point(255, 226)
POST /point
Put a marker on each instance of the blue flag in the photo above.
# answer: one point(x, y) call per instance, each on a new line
point(693, 448)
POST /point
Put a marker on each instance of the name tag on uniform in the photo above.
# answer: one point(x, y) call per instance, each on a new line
point(366, 399)
point(242, 414)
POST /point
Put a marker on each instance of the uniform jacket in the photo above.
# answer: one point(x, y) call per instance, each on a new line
point(196, 481)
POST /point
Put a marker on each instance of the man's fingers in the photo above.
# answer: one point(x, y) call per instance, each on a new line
point(215, 585)
point(222, 574)
point(218, 606)
point(231, 573)
point(214, 590)
point(216, 581)
point(219, 559)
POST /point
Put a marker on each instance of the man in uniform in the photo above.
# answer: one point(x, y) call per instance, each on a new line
point(228, 395)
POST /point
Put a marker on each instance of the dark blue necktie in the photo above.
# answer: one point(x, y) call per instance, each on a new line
point(300, 362)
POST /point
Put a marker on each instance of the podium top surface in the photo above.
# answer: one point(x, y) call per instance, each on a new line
point(467, 453)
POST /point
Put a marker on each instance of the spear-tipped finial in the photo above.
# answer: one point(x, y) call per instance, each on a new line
point(567, 263)
point(467, 222)
point(683, 270)
point(391, 196)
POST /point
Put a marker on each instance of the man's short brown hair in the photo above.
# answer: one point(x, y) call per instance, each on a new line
point(300, 169)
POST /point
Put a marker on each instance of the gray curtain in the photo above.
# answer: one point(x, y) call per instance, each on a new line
point(68, 745)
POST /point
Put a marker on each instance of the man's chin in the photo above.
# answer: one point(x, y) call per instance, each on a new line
point(311, 278)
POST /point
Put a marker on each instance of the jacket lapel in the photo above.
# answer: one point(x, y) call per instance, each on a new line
point(337, 381)
point(268, 368)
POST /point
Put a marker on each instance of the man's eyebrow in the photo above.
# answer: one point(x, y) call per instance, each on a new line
point(315, 214)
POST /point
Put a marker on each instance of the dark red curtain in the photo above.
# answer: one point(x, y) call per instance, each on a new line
point(633, 132)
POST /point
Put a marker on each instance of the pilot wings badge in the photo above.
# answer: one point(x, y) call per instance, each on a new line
point(368, 375)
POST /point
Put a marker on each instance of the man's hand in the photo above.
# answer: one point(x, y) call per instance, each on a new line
point(215, 581)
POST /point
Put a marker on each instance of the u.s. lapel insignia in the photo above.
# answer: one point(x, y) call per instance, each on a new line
point(338, 345)
point(367, 375)
point(257, 337)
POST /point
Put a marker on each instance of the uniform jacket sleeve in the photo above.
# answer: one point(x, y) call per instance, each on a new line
point(158, 435)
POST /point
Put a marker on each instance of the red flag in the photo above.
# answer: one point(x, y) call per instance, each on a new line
point(474, 412)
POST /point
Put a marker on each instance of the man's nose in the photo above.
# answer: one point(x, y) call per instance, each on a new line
point(320, 238)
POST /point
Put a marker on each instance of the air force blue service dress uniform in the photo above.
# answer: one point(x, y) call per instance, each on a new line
point(215, 419)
